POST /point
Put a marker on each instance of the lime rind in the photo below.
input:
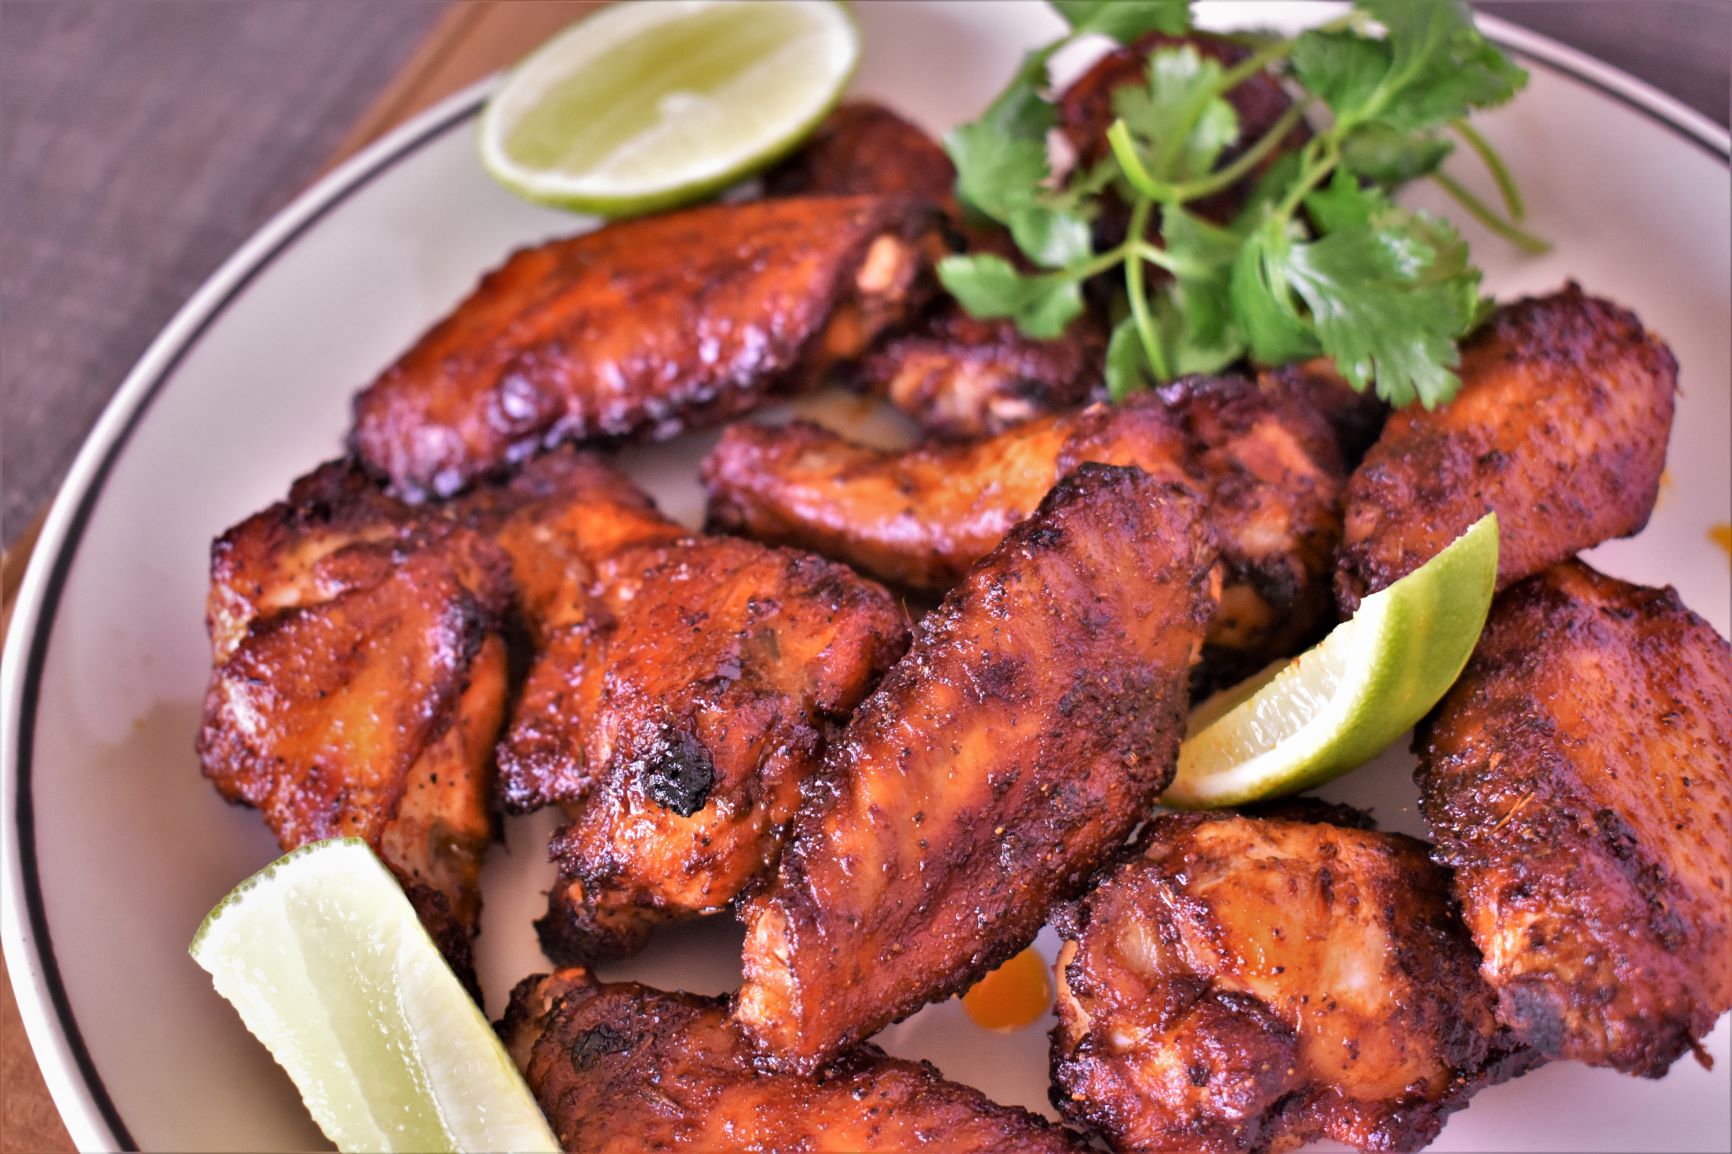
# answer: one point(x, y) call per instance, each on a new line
point(556, 134)
point(1345, 700)
point(326, 962)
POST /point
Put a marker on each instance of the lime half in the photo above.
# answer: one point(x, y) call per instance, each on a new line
point(329, 967)
point(1347, 698)
point(643, 106)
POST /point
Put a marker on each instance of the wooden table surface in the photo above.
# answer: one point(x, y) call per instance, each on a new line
point(1680, 45)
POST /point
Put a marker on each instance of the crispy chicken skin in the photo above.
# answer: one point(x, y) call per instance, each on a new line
point(620, 1068)
point(644, 328)
point(1266, 466)
point(681, 690)
point(359, 682)
point(1578, 780)
point(1009, 754)
point(862, 149)
point(1251, 984)
point(955, 375)
point(1560, 427)
point(1356, 417)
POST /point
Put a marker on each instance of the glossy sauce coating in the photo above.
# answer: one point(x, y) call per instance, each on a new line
point(358, 683)
point(643, 328)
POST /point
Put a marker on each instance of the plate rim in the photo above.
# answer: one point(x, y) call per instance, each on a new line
point(74, 1083)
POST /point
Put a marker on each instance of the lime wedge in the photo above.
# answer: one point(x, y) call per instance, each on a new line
point(329, 967)
point(640, 107)
point(1347, 698)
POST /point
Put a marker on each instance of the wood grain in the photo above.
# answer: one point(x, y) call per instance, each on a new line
point(469, 41)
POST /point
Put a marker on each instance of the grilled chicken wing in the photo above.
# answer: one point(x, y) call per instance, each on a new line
point(680, 692)
point(1560, 427)
point(953, 374)
point(643, 328)
point(359, 682)
point(1250, 984)
point(1266, 466)
point(620, 1068)
point(1578, 779)
point(1030, 727)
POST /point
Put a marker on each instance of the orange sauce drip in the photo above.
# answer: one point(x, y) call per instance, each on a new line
point(1015, 995)
point(1721, 535)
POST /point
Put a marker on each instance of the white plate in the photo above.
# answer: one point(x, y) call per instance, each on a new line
point(115, 847)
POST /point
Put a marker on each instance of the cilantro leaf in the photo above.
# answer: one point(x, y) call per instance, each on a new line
point(1262, 300)
point(1342, 69)
point(1379, 314)
point(996, 173)
point(1125, 20)
point(1051, 237)
point(990, 286)
point(1126, 364)
point(1378, 152)
point(1179, 118)
point(1441, 67)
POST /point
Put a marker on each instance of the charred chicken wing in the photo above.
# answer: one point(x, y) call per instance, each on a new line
point(1266, 466)
point(1031, 726)
point(1251, 984)
point(643, 328)
point(619, 1068)
point(1560, 427)
point(1578, 780)
point(359, 683)
point(680, 691)
point(957, 376)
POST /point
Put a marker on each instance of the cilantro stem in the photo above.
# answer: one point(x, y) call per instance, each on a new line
point(1488, 156)
point(1226, 177)
point(1317, 161)
point(1478, 209)
point(1138, 292)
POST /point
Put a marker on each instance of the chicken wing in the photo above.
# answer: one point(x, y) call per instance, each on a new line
point(955, 375)
point(619, 1068)
point(358, 684)
point(1356, 417)
point(1251, 984)
point(1578, 779)
point(1560, 427)
point(1030, 727)
point(1266, 466)
point(680, 692)
point(644, 328)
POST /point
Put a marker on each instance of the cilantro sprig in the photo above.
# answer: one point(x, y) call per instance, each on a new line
point(1320, 260)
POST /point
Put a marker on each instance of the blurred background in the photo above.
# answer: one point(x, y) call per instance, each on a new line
point(142, 140)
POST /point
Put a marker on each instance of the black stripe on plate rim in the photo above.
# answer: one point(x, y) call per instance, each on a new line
point(51, 594)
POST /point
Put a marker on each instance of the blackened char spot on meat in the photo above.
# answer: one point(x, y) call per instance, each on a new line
point(597, 1042)
point(675, 769)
